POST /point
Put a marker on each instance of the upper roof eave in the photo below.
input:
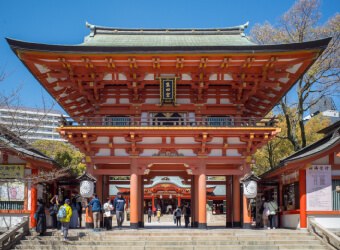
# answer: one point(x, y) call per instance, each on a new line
point(244, 49)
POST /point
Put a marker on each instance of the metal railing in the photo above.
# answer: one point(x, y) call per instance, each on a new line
point(13, 235)
point(168, 122)
point(323, 234)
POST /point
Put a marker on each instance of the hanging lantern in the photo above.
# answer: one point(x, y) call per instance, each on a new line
point(86, 185)
point(250, 185)
point(170, 196)
point(161, 197)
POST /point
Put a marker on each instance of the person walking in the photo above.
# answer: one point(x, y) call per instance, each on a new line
point(272, 205)
point(187, 214)
point(149, 215)
point(74, 217)
point(41, 218)
point(64, 216)
point(54, 211)
point(118, 206)
point(178, 216)
point(154, 211)
point(80, 212)
point(96, 210)
point(107, 214)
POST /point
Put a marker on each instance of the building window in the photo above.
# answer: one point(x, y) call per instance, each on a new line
point(290, 194)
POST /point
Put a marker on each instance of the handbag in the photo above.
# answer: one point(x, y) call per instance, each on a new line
point(267, 211)
point(36, 215)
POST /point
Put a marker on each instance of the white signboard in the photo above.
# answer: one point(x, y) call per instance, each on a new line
point(319, 188)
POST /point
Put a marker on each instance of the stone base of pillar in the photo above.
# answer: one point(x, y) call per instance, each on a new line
point(140, 224)
point(237, 224)
point(195, 224)
point(89, 225)
point(202, 225)
point(246, 226)
point(229, 225)
point(134, 225)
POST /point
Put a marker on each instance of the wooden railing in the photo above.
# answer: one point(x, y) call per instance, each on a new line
point(10, 237)
point(323, 234)
point(168, 122)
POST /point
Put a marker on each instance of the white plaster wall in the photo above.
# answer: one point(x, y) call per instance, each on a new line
point(12, 159)
point(213, 77)
point(104, 152)
point(121, 152)
point(336, 159)
point(291, 221)
point(120, 140)
point(227, 77)
point(102, 140)
point(185, 140)
point(211, 101)
point(10, 220)
point(186, 77)
point(151, 140)
point(183, 101)
point(122, 77)
point(149, 152)
point(234, 140)
point(323, 160)
point(232, 152)
point(224, 101)
point(111, 101)
point(331, 221)
point(186, 152)
point(294, 68)
point(150, 77)
point(215, 152)
point(152, 100)
point(335, 172)
point(216, 140)
point(168, 140)
point(124, 101)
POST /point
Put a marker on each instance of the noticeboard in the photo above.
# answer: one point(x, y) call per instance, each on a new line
point(11, 171)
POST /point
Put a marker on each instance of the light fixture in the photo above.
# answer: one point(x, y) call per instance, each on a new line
point(161, 197)
point(170, 196)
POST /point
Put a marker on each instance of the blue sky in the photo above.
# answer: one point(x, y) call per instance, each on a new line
point(63, 22)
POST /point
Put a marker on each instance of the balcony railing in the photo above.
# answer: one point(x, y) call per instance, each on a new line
point(168, 122)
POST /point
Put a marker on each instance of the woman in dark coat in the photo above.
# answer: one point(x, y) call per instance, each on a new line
point(41, 221)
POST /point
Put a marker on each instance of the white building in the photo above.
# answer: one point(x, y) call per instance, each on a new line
point(31, 124)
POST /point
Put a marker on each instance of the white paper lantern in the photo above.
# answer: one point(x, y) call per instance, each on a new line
point(250, 189)
point(86, 188)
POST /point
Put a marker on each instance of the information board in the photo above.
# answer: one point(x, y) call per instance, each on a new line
point(319, 188)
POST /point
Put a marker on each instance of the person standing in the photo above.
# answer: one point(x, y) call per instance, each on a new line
point(272, 205)
point(74, 217)
point(178, 216)
point(80, 212)
point(107, 214)
point(54, 211)
point(118, 206)
point(96, 210)
point(64, 216)
point(41, 220)
point(174, 216)
point(149, 215)
point(154, 211)
point(265, 214)
point(159, 213)
point(187, 214)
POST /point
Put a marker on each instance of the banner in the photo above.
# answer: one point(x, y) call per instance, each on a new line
point(11, 171)
point(319, 188)
point(12, 191)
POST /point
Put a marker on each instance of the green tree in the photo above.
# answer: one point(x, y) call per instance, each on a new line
point(300, 24)
point(62, 153)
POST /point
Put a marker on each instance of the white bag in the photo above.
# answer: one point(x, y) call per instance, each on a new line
point(267, 211)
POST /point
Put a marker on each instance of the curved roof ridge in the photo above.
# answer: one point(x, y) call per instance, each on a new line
point(95, 27)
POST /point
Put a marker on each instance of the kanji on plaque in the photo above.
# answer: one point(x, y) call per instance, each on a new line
point(11, 171)
point(168, 88)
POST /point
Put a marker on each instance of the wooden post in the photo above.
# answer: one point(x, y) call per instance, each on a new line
point(303, 204)
point(192, 198)
point(236, 201)
point(228, 202)
point(202, 195)
point(34, 205)
point(134, 194)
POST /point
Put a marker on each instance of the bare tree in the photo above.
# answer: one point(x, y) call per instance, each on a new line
point(300, 24)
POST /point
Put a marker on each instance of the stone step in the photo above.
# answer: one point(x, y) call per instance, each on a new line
point(128, 238)
point(168, 242)
point(159, 247)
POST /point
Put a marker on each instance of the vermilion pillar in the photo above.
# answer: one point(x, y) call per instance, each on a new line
point(34, 197)
point(229, 202)
point(192, 198)
point(196, 201)
point(236, 202)
point(133, 194)
point(202, 195)
point(303, 204)
point(153, 203)
point(179, 200)
point(127, 203)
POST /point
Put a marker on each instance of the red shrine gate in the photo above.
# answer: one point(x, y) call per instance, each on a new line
point(184, 102)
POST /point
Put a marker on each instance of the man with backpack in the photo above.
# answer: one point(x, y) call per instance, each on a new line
point(187, 214)
point(118, 205)
point(96, 210)
point(64, 216)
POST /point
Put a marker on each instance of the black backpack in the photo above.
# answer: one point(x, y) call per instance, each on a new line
point(188, 211)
